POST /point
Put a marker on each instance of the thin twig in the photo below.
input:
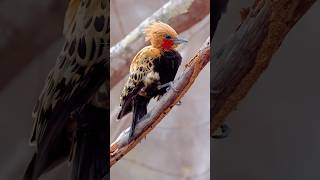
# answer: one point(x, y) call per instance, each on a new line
point(122, 145)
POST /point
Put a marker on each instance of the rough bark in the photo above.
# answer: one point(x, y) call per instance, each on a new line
point(122, 145)
point(239, 63)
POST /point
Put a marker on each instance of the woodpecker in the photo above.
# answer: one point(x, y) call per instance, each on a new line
point(151, 71)
point(81, 69)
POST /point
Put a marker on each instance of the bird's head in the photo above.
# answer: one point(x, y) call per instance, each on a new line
point(162, 36)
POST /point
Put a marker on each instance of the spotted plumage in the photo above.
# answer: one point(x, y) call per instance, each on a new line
point(153, 66)
point(81, 68)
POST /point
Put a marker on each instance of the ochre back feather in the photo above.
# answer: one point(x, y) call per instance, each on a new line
point(145, 54)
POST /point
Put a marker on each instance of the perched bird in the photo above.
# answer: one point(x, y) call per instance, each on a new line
point(69, 90)
point(151, 71)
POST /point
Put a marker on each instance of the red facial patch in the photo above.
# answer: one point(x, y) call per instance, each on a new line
point(167, 44)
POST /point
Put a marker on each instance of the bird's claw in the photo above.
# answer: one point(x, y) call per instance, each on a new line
point(114, 148)
point(168, 86)
point(171, 87)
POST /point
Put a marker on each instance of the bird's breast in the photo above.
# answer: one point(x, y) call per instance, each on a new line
point(167, 66)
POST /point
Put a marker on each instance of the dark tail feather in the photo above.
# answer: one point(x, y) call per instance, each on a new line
point(125, 109)
point(56, 155)
point(139, 110)
point(91, 161)
point(28, 175)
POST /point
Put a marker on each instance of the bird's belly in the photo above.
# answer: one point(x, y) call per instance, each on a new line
point(166, 66)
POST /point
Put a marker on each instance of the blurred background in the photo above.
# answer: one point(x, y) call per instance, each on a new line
point(274, 129)
point(178, 147)
point(30, 41)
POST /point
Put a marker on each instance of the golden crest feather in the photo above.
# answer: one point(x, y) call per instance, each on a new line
point(156, 31)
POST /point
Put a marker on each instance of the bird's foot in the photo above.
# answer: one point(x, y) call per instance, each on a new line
point(168, 85)
point(114, 148)
point(225, 131)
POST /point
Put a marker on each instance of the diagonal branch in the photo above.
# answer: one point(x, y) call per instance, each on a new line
point(122, 146)
point(240, 62)
point(180, 14)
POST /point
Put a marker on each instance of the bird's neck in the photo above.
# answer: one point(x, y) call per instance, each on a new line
point(163, 50)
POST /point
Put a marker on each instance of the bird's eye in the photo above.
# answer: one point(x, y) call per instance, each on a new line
point(168, 36)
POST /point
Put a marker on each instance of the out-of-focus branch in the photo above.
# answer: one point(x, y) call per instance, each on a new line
point(180, 14)
point(122, 145)
point(240, 62)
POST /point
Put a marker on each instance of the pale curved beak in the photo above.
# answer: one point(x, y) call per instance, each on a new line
point(179, 41)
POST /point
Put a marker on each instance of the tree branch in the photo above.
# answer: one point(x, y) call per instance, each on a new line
point(240, 62)
point(180, 14)
point(121, 146)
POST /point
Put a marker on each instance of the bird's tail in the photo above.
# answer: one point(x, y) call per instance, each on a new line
point(140, 104)
point(56, 154)
point(91, 158)
point(28, 175)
